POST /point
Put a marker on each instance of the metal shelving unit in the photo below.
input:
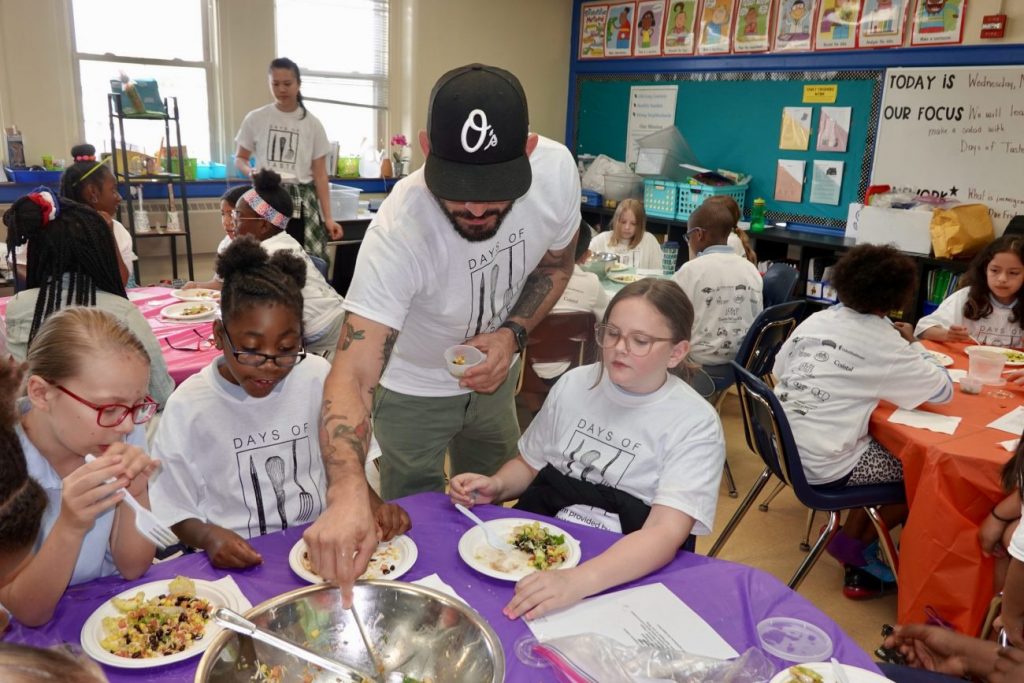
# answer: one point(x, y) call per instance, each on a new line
point(175, 181)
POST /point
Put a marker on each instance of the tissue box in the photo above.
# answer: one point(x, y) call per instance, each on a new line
point(905, 229)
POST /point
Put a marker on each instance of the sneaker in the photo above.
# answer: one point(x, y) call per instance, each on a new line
point(860, 585)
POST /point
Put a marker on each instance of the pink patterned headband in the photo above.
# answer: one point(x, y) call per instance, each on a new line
point(265, 210)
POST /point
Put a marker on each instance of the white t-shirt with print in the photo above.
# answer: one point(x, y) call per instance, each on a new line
point(284, 141)
point(725, 290)
point(321, 304)
point(995, 329)
point(94, 557)
point(665, 448)
point(234, 460)
point(646, 255)
point(832, 372)
point(122, 239)
point(583, 293)
point(416, 274)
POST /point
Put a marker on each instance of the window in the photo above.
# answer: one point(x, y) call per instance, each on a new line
point(161, 39)
point(341, 47)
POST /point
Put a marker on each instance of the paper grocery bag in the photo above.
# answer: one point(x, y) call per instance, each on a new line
point(961, 231)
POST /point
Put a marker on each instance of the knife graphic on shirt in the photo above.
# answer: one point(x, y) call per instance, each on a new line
point(480, 315)
point(259, 496)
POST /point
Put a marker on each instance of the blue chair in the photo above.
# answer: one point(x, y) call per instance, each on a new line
point(779, 281)
point(769, 435)
point(757, 354)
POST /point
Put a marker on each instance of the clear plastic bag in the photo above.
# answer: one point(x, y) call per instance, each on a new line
point(591, 657)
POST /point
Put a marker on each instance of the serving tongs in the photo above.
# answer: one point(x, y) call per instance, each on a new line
point(236, 622)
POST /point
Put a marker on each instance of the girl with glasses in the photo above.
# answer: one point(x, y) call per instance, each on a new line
point(623, 445)
point(249, 418)
point(86, 394)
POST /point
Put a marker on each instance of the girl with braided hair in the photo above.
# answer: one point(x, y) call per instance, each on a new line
point(252, 415)
point(71, 262)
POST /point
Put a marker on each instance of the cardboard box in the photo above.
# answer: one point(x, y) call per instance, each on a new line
point(907, 230)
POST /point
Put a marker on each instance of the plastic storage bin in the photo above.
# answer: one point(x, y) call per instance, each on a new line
point(590, 198)
point(23, 175)
point(661, 154)
point(344, 202)
point(661, 197)
point(692, 195)
point(619, 186)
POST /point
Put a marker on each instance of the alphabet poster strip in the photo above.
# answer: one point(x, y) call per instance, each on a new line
point(955, 133)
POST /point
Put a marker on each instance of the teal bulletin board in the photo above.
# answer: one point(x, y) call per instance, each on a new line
point(732, 120)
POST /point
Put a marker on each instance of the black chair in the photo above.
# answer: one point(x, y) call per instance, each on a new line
point(757, 354)
point(769, 435)
point(778, 283)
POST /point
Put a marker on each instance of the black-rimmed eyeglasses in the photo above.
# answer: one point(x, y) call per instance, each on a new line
point(255, 359)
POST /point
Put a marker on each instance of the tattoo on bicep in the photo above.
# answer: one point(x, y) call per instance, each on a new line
point(336, 429)
point(535, 290)
point(385, 352)
point(351, 334)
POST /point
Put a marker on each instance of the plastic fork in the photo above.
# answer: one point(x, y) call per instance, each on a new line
point(145, 521)
point(493, 539)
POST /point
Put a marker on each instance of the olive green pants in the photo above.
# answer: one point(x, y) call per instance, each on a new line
point(478, 431)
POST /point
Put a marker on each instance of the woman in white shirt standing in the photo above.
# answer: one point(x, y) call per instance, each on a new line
point(285, 137)
point(629, 237)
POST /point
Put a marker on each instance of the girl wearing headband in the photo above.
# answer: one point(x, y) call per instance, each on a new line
point(264, 212)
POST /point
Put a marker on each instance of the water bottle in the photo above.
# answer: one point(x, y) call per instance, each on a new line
point(757, 216)
point(669, 254)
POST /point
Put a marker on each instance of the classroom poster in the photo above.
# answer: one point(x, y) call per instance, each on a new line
point(618, 32)
point(650, 17)
point(883, 23)
point(682, 16)
point(789, 180)
point(715, 24)
point(795, 133)
point(751, 30)
point(836, 28)
point(593, 18)
point(651, 108)
point(826, 182)
point(793, 20)
point(833, 129)
point(937, 22)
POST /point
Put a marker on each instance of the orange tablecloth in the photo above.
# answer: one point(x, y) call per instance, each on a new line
point(952, 483)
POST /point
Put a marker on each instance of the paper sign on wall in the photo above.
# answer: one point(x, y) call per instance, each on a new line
point(833, 129)
point(651, 108)
point(826, 182)
point(789, 180)
point(796, 128)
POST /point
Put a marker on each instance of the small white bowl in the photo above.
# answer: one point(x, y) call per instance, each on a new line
point(470, 356)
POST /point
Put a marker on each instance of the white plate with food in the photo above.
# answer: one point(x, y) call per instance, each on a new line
point(553, 548)
point(390, 560)
point(623, 278)
point(1013, 357)
point(618, 267)
point(196, 294)
point(190, 311)
point(821, 672)
point(943, 360)
point(108, 635)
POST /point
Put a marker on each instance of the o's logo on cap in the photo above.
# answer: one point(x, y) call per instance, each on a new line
point(477, 121)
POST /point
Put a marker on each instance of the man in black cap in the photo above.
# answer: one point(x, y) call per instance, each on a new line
point(475, 248)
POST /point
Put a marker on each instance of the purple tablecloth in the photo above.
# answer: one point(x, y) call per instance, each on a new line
point(733, 598)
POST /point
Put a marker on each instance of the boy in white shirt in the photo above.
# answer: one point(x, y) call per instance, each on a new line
point(725, 290)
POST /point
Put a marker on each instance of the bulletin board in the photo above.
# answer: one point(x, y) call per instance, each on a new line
point(732, 120)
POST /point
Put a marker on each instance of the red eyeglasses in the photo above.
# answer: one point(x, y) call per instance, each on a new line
point(113, 414)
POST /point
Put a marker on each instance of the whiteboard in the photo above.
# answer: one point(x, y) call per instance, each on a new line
point(955, 132)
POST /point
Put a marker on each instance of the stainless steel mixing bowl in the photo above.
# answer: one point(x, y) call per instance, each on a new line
point(426, 635)
point(600, 263)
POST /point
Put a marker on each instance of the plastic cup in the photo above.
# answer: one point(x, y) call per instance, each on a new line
point(794, 640)
point(461, 358)
point(986, 365)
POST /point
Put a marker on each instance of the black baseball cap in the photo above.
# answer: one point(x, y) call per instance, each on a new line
point(477, 124)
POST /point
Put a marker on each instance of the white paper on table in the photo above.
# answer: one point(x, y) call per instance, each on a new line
point(434, 581)
point(1010, 444)
point(645, 616)
point(955, 374)
point(228, 585)
point(1012, 422)
point(944, 424)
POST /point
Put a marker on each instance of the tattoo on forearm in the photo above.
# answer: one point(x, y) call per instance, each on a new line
point(351, 334)
point(535, 290)
point(389, 346)
point(335, 430)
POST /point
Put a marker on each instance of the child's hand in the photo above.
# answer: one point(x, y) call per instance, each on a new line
point(544, 591)
point(958, 333)
point(85, 496)
point(228, 550)
point(906, 331)
point(469, 489)
point(137, 466)
point(392, 520)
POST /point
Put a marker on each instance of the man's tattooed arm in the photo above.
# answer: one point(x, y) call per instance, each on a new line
point(543, 287)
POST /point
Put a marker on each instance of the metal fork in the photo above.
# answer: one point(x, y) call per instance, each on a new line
point(145, 521)
point(305, 497)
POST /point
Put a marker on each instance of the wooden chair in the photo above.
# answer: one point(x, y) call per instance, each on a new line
point(560, 338)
